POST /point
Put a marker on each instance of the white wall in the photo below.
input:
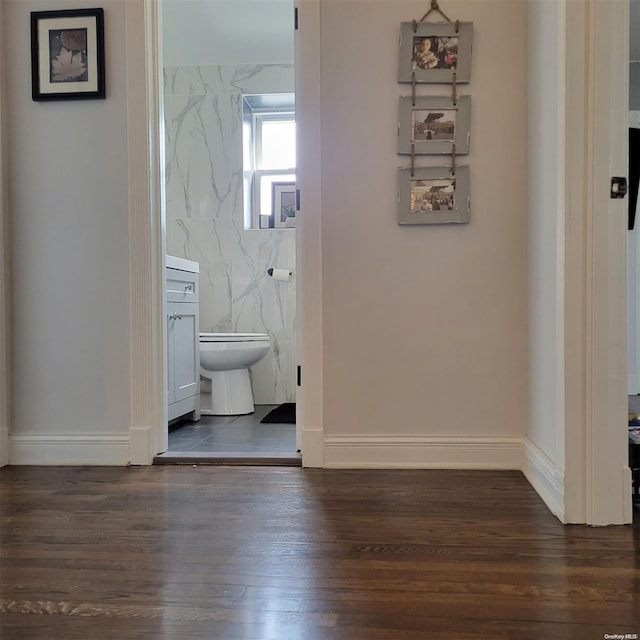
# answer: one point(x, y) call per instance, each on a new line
point(544, 198)
point(426, 326)
point(4, 265)
point(70, 256)
point(633, 282)
point(545, 99)
point(634, 55)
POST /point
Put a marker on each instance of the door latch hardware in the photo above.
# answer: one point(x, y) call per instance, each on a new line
point(618, 187)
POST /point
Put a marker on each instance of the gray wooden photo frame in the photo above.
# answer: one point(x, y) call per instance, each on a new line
point(433, 124)
point(434, 51)
point(433, 196)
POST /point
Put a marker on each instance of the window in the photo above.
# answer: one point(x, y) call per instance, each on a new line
point(269, 140)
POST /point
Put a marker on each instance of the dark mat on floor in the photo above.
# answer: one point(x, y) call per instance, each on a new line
point(284, 414)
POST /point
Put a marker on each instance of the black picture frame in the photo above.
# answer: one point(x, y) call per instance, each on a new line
point(67, 55)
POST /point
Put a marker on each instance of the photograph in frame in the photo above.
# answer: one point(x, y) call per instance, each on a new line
point(67, 54)
point(283, 204)
point(434, 52)
point(433, 196)
point(433, 124)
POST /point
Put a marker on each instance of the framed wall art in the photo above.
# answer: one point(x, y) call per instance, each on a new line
point(433, 196)
point(433, 124)
point(67, 54)
point(283, 204)
point(434, 51)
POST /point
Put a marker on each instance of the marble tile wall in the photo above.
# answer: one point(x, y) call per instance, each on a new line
point(205, 218)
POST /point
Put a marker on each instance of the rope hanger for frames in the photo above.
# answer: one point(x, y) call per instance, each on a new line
point(452, 170)
point(454, 97)
point(435, 7)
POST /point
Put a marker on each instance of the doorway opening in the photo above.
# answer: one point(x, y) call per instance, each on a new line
point(220, 204)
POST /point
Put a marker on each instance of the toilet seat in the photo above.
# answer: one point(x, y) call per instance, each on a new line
point(233, 337)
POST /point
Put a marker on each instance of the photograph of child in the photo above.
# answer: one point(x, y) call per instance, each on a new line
point(434, 52)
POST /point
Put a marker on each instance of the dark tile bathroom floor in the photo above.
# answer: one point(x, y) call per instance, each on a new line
point(232, 439)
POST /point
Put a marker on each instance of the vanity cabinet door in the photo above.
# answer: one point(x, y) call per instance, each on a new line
point(183, 327)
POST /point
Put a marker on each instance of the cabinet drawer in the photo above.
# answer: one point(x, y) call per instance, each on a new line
point(181, 286)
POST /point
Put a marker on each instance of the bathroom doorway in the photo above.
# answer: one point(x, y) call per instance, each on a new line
point(218, 204)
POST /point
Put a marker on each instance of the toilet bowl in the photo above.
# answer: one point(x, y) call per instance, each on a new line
point(225, 359)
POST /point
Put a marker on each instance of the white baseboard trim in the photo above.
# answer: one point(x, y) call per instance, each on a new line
point(141, 439)
point(97, 450)
point(422, 452)
point(544, 477)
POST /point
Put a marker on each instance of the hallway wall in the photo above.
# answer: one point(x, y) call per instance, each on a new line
point(5, 371)
point(544, 448)
point(425, 327)
point(68, 203)
point(633, 283)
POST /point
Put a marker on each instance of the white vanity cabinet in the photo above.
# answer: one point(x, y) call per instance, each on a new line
point(183, 338)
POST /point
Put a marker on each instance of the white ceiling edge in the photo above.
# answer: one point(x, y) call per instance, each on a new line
point(225, 32)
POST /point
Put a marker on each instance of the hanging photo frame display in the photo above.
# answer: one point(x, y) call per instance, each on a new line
point(431, 52)
point(431, 125)
point(433, 195)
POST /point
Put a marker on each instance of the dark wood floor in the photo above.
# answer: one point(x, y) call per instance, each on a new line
point(224, 553)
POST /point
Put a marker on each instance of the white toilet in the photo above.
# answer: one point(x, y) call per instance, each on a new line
point(225, 359)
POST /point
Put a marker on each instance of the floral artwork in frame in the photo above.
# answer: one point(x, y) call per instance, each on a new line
point(283, 204)
point(67, 54)
point(431, 52)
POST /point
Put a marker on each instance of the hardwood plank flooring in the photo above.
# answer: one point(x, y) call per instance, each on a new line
point(254, 553)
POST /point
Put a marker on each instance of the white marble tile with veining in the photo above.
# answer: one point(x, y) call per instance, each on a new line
point(221, 79)
point(259, 79)
point(272, 379)
point(194, 80)
point(205, 156)
point(204, 242)
point(168, 164)
point(258, 250)
point(260, 304)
